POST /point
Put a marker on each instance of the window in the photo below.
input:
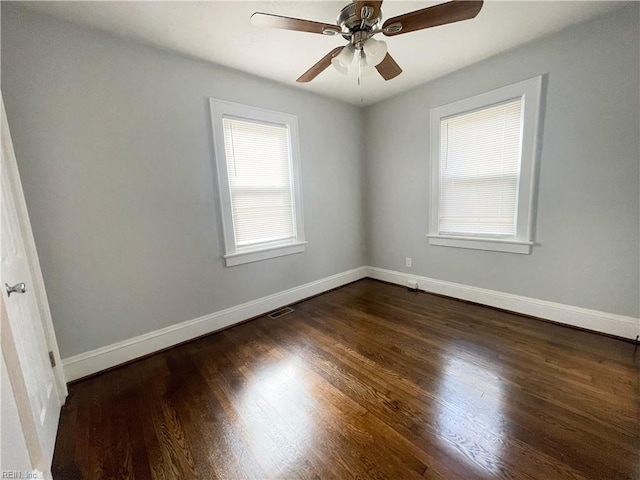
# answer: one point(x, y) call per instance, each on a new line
point(483, 152)
point(257, 161)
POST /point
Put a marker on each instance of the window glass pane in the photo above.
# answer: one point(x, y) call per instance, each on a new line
point(479, 170)
point(259, 170)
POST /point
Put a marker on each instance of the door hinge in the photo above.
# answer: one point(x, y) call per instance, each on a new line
point(52, 359)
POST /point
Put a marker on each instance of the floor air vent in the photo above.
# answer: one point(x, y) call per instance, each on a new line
point(281, 312)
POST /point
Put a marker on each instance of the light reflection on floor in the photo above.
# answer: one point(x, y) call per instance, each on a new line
point(280, 389)
point(481, 424)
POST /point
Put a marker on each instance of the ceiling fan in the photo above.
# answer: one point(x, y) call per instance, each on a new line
point(358, 22)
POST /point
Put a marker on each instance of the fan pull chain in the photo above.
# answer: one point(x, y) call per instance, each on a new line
point(360, 77)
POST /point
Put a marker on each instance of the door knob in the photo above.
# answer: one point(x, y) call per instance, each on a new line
point(17, 288)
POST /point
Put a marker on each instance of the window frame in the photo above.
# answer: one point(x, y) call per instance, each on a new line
point(235, 255)
point(530, 91)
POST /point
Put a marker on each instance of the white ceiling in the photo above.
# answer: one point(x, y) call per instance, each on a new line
point(221, 32)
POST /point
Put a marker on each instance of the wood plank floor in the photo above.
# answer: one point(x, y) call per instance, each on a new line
point(369, 381)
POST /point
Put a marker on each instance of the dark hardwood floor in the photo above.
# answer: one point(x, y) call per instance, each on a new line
point(369, 381)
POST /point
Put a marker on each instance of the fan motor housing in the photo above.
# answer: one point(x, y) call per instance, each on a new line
point(349, 19)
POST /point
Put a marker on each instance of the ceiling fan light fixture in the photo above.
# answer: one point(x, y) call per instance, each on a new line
point(342, 61)
point(375, 51)
point(358, 22)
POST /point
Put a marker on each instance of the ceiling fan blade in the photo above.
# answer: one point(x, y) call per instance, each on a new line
point(388, 68)
point(442, 14)
point(374, 4)
point(287, 23)
point(319, 67)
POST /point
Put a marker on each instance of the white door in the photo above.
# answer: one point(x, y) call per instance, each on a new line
point(31, 338)
point(14, 453)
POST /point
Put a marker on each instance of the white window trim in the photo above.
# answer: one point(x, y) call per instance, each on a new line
point(530, 90)
point(237, 256)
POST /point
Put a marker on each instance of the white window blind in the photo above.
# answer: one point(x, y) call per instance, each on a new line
point(260, 182)
point(479, 171)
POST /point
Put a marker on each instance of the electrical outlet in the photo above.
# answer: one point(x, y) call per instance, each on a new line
point(407, 261)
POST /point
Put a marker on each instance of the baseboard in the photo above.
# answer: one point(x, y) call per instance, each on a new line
point(103, 358)
point(603, 322)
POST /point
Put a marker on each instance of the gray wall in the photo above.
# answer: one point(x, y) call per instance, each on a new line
point(114, 146)
point(588, 205)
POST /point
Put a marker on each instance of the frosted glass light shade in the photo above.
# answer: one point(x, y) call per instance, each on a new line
point(342, 61)
point(375, 51)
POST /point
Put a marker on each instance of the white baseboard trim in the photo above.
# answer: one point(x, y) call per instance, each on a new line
point(611, 323)
point(94, 361)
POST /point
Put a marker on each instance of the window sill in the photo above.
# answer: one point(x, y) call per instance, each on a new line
point(493, 244)
point(238, 258)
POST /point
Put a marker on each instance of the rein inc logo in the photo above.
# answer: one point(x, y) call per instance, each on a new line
point(21, 474)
